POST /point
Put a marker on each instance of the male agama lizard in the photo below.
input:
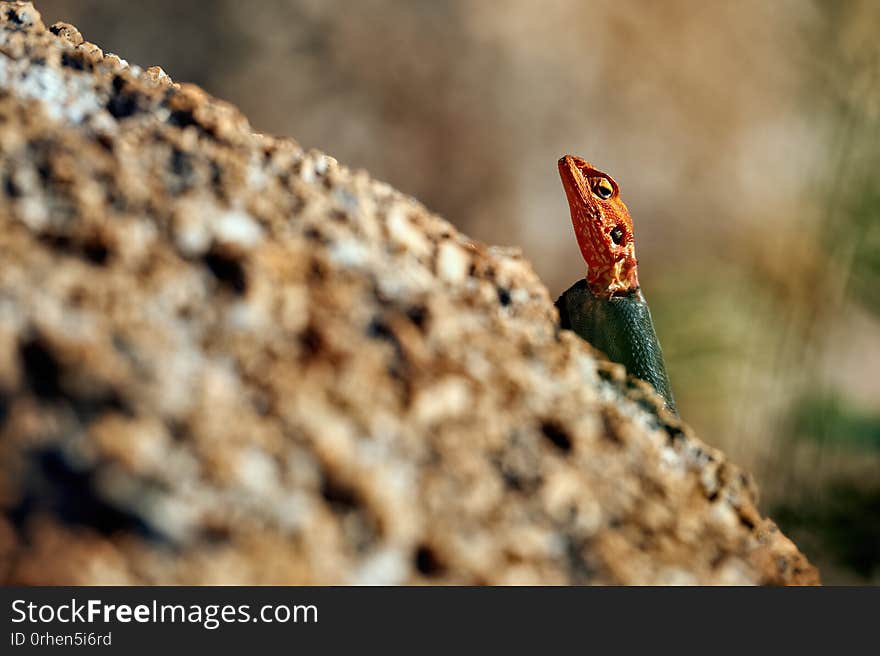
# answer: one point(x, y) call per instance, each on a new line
point(608, 308)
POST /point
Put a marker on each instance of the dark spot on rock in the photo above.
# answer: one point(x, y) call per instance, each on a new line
point(96, 252)
point(13, 17)
point(418, 314)
point(45, 377)
point(608, 374)
point(12, 190)
point(579, 566)
point(88, 407)
point(183, 171)
point(313, 234)
point(182, 118)
point(181, 163)
point(340, 496)
point(512, 480)
point(227, 270)
point(261, 401)
point(56, 486)
point(217, 176)
point(123, 104)
point(378, 329)
point(45, 172)
point(357, 521)
point(503, 296)
point(675, 433)
point(93, 249)
point(700, 456)
point(311, 342)
point(556, 435)
point(117, 199)
point(426, 561)
point(71, 60)
point(611, 426)
point(381, 298)
point(215, 535)
point(399, 368)
point(106, 142)
point(519, 481)
point(41, 369)
point(179, 430)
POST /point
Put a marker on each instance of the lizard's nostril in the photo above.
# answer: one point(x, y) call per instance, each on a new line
point(617, 234)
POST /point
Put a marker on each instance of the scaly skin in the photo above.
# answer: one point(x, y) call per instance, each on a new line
point(608, 308)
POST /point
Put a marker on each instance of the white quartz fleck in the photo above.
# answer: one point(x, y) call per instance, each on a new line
point(237, 227)
point(200, 221)
point(386, 567)
point(257, 472)
point(405, 234)
point(349, 253)
point(70, 97)
point(452, 262)
point(447, 398)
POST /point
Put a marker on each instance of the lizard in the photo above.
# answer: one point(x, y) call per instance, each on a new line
point(607, 308)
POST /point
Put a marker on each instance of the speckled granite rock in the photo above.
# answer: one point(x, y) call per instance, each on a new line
point(226, 360)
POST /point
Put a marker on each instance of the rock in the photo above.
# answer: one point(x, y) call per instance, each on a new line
point(227, 360)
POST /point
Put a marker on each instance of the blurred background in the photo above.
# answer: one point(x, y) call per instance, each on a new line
point(746, 140)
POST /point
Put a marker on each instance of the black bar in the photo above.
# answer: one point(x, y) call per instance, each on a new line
point(415, 620)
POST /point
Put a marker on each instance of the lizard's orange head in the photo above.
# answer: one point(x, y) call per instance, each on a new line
point(602, 225)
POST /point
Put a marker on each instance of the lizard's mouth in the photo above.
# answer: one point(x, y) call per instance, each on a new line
point(573, 180)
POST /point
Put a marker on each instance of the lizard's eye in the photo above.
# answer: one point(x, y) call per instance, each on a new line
point(602, 188)
point(617, 235)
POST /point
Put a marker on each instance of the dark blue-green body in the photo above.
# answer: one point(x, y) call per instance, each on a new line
point(622, 328)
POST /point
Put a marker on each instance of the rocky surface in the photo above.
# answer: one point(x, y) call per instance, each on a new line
point(226, 360)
